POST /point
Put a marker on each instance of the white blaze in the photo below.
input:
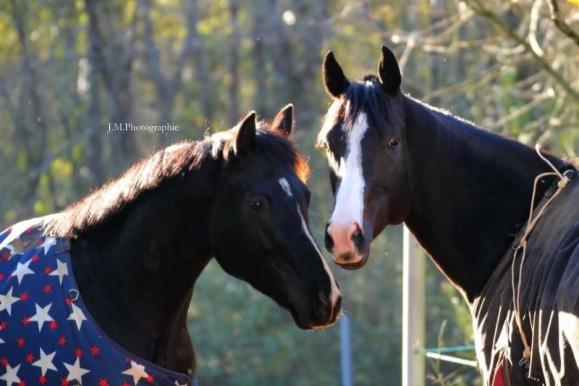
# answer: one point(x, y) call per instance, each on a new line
point(285, 186)
point(334, 290)
point(350, 198)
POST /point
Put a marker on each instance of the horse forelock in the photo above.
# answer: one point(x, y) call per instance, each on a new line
point(365, 96)
point(279, 151)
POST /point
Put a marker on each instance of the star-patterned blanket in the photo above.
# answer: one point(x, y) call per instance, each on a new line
point(47, 335)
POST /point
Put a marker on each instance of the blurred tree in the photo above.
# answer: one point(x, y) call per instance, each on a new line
point(68, 68)
point(112, 42)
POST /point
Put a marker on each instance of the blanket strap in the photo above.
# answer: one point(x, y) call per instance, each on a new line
point(564, 179)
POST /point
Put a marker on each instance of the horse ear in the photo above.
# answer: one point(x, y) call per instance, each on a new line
point(245, 138)
point(389, 71)
point(335, 81)
point(283, 122)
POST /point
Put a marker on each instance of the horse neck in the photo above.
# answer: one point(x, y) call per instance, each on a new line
point(471, 193)
point(137, 270)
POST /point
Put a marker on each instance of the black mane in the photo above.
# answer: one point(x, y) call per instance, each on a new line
point(368, 95)
point(383, 111)
point(166, 164)
point(365, 95)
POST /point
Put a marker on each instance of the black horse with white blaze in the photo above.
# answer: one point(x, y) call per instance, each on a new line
point(465, 194)
point(138, 244)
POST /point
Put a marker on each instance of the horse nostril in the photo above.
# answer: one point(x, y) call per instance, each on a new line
point(322, 306)
point(358, 238)
point(328, 242)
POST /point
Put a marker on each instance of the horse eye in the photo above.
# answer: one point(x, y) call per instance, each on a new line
point(257, 204)
point(393, 142)
point(381, 189)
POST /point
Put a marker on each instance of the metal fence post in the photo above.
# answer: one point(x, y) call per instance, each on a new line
point(346, 351)
point(412, 313)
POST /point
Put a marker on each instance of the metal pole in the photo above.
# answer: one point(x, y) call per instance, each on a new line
point(346, 351)
point(412, 313)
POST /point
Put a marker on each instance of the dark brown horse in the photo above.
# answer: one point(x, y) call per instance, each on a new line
point(139, 243)
point(465, 193)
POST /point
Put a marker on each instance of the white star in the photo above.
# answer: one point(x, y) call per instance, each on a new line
point(178, 384)
point(77, 315)
point(11, 375)
point(136, 371)
point(48, 242)
point(60, 271)
point(7, 300)
point(41, 315)
point(45, 362)
point(22, 270)
point(75, 372)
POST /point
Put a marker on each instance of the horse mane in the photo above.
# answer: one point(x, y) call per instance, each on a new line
point(368, 95)
point(151, 172)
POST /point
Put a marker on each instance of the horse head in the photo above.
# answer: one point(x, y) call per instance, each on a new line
point(259, 227)
point(364, 137)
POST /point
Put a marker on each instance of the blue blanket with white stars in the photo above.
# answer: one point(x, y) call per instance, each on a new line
point(47, 335)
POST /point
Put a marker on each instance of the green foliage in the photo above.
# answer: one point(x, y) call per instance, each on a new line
point(57, 97)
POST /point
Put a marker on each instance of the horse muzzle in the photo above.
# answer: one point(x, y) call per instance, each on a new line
point(348, 245)
point(325, 308)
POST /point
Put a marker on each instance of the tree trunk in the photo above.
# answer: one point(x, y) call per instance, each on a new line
point(32, 133)
point(234, 46)
point(260, 74)
point(113, 60)
point(194, 46)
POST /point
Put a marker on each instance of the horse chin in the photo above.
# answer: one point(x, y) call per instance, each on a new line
point(307, 323)
point(357, 265)
point(308, 326)
point(302, 325)
point(299, 320)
